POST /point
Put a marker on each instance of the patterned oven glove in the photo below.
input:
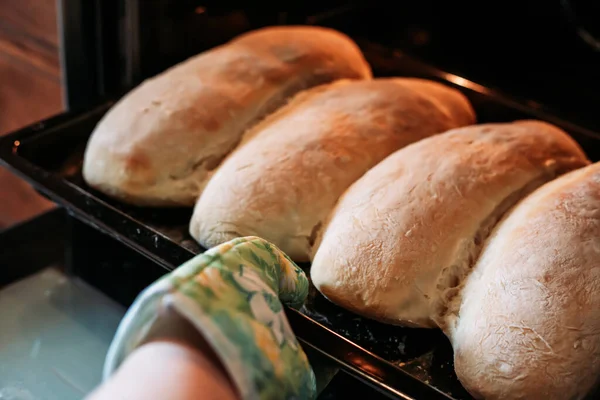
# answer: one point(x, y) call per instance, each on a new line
point(231, 294)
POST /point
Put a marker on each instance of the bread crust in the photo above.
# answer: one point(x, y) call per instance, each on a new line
point(402, 238)
point(285, 177)
point(160, 143)
point(528, 326)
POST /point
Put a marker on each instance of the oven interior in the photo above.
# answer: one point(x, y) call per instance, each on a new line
point(544, 52)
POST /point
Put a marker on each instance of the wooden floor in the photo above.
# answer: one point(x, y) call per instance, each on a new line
point(30, 90)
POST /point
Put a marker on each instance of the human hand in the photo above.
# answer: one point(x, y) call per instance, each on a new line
point(232, 295)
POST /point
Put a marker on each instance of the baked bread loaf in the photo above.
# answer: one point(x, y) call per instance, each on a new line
point(402, 238)
point(283, 180)
point(528, 324)
point(158, 145)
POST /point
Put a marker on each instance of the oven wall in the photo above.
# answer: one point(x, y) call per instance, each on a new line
point(531, 49)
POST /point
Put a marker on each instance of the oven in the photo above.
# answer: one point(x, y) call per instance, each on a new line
point(512, 59)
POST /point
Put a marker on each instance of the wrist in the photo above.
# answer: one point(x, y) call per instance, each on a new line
point(167, 368)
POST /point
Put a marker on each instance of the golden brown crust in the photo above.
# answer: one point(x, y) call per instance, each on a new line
point(160, 143)
point(286, 176)
point(529, 321)
point(402, 237)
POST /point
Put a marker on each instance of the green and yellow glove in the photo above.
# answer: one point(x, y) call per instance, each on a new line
point(232, 294)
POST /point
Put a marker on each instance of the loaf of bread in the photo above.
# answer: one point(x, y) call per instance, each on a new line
point(158, 145)
point(402, 238)
point(528, 323)
point(284, 179)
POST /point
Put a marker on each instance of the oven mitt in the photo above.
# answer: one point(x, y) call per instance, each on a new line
point(233, 295)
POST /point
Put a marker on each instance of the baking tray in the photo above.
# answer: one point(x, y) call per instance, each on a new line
point(401, 362)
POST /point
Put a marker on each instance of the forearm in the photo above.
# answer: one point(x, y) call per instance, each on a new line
point(168, 369)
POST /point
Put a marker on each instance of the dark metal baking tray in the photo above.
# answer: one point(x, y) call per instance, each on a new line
point(402, 362)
